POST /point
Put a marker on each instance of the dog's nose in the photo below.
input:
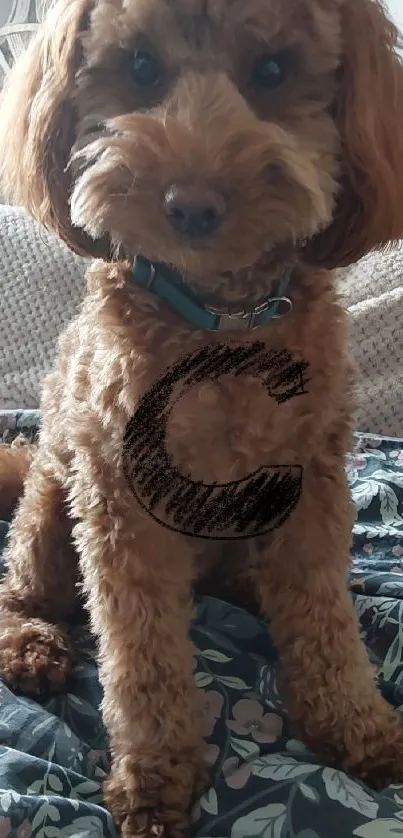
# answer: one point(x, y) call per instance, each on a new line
point(194, 211)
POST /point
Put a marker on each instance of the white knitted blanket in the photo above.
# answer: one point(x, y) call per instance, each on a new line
point(41, 285)
point(373, 290)
point(18, 22)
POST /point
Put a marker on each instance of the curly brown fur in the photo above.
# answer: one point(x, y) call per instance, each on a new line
point(312, 176)
point(15, 461)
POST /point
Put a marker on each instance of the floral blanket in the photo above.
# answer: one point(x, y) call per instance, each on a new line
point(54, 756)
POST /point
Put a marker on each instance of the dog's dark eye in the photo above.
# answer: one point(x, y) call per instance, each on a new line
point(146, 69)
point(269, 71)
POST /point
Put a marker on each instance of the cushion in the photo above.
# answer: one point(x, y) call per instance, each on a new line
point(373, 292)
point(41, 286)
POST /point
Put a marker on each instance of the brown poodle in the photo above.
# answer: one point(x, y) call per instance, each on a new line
point(243, 144)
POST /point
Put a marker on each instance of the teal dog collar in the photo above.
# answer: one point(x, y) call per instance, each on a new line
point(168, 286)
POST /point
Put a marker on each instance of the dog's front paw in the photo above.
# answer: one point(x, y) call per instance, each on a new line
point(155, 803)
point(35, 657)
point(382, 762)
point(155, 823)
point(370, 747)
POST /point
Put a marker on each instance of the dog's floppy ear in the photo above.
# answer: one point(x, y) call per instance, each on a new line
point(37, 124)
point(369, 115)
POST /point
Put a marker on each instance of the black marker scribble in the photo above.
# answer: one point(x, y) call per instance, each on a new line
point(252, 506)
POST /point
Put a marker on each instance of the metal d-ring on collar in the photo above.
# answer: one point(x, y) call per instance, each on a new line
point(167, 284)
point(244, 319)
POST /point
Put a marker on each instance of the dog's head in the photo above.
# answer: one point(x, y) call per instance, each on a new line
point(207, 133)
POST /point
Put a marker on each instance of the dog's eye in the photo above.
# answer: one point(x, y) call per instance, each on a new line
point(269, 71)
point(146, 69)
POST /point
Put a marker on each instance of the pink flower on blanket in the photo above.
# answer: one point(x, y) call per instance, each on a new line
point(25, 830)
point(251, 720)
point(5, 827)
point(210, 711)
point(211, 755)
point(236, 773)
point(357, 461)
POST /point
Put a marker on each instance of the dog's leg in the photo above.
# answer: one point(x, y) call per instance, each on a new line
point(137, 578)
point(37, 593)
point(328, 680)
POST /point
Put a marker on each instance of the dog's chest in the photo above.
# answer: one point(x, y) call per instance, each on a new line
point(223, 427)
